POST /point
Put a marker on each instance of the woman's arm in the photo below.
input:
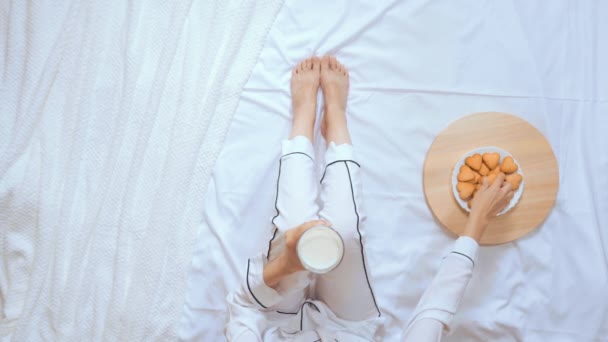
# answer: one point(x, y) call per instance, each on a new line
point(440, 301)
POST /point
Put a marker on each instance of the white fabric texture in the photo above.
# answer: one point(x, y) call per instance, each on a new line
point(415, 66)
point(112, 115)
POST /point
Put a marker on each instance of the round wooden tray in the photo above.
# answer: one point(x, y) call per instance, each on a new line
point(510, 133)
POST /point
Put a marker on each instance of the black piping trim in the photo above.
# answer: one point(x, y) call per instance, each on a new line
point(466, 256)
point(249, 287)
point(276, 200)
point(270, 242)
point(337, 161)
point(302, 317)
point(314, 306)
point(288, 154)
point(287, 313)
point(361, 238)
point(276, 207)
point(302, 313)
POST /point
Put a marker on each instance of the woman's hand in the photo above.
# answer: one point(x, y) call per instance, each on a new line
point(288, 261)
point(488, 202)
point(290, 254)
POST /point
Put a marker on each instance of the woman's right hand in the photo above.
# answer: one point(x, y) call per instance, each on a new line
point(290, 254)
point(288, 261)
point(488, 202)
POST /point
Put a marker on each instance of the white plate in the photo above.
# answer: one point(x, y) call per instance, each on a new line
point(482, 150)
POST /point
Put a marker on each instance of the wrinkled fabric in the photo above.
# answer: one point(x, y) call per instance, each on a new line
point(112, 115)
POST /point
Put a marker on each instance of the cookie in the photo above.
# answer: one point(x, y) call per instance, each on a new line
point(465, 190)
point(491, 159)
point(474, 161)
point(478, 178)
point(515, 180)
point(508, 165)
point(466, 174)
point(491, 177)
point(484, 170)
point(495, 171)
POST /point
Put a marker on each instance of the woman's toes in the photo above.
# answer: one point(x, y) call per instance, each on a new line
point(316, 63)
point(342, 69)
point(308, 64)
point(333, 63)
point(325, 62)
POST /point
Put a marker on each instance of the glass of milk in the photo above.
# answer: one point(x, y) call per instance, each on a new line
point(320, 249)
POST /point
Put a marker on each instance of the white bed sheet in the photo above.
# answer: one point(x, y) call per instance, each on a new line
point(415, 67)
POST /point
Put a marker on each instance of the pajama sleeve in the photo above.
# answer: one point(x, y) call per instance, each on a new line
point(246, 306)
point(440, 301)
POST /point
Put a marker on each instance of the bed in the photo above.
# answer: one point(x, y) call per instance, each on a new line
point(415, 67)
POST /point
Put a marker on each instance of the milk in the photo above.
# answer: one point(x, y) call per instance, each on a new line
point(320, 249)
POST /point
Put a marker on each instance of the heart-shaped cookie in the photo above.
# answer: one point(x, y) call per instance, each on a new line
point(465, 190)
point(508, 165)
point(491, 159)
point(466, 174)
point(474, 161)
point(484, 170)
point(515, 180)
point(491, 177)
point(477, 177)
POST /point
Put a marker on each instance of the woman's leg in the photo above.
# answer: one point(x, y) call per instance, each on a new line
point(347, 289)
point(297, 188)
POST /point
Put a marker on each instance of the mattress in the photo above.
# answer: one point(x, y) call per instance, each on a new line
point(415, 67)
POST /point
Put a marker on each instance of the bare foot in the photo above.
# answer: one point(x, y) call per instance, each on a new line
point(334, 84)
point(304, 88)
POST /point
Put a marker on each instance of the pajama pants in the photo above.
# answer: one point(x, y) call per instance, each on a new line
point(347, 289)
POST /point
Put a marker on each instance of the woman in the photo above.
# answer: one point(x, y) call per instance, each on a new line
point(279, 300)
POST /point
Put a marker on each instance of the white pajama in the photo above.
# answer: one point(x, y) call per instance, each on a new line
point(440, 301)
point(339, 305)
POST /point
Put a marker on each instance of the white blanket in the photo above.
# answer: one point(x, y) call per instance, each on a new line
point(112, 114)
point(416, 66)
